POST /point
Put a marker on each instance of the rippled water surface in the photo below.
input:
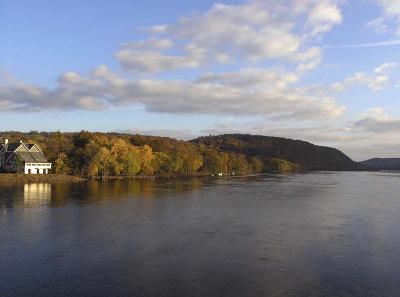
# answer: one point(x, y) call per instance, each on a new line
point(319, 234)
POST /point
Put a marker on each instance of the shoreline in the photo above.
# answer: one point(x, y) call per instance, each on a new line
point(9, 179)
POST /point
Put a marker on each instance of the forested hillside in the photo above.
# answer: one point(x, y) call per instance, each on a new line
point(113, 154)
point(304, 155)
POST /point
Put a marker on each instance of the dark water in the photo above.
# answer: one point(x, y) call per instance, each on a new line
point(320, 234)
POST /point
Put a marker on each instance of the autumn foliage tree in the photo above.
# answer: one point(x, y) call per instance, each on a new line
point(61, 164)
point(112, 154)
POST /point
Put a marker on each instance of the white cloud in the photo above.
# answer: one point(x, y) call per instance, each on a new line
point(156, 62)
point(104, 74)
point(376, 81)
point(245, 33)
point(385, 67)
point(392, 7)
point(323, 16)
point(248, 30)
point(214, 95)
point(308, 60)
point(390, 17)
point(377, 120)
point(183, 97)
point(152, 44)
point(157, 29)
point(378, 25)
point(244, 78)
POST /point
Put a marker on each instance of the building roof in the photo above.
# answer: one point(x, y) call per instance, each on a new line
point(26, 154)
point(11, 147)
point(31, 157)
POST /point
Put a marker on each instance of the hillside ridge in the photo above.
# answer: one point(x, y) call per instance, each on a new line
point(382, 163)
point(306, 155)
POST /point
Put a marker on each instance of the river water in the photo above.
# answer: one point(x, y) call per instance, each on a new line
point(319, 234)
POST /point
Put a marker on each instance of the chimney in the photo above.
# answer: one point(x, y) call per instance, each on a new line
point(20, 141)
point(6, 141)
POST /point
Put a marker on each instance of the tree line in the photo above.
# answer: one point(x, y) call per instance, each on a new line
point(112, 154)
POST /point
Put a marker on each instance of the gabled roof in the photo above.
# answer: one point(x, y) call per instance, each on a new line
point(12, 147)
point(29, 157)
point(32, 146)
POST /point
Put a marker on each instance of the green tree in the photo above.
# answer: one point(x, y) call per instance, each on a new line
point(101, 163)
point(61, 165)
point(213, 161)
point(125, 159)
point(161, 163)
point(281, 166)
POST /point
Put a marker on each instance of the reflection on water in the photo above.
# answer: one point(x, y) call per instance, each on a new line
point(319, 234)
point(37, 194)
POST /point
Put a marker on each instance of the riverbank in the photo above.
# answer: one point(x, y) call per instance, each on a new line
point(12, 179)
point(7, 179)
point(111, 177)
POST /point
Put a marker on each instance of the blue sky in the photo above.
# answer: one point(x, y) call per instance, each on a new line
point(324, 71)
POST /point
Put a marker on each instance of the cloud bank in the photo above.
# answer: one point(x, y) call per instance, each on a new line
point(247, 37)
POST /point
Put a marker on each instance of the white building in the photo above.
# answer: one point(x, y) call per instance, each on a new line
point(23, 158)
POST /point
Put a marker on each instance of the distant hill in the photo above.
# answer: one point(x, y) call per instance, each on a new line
point(382, 163)
point(305, 155)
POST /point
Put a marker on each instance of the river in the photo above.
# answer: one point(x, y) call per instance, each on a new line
point(324, 234)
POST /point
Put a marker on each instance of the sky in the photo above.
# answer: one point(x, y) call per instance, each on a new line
point(324, 71)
